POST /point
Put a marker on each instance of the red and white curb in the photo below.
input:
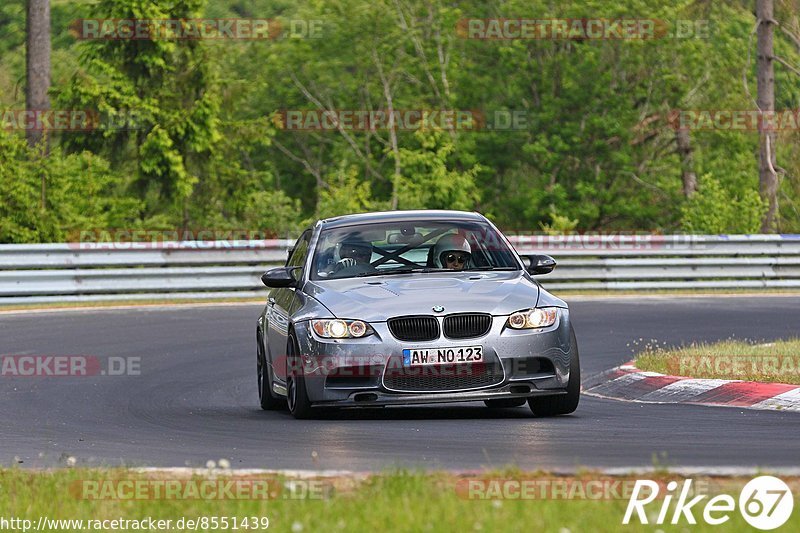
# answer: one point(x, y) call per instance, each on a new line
point(627, 382)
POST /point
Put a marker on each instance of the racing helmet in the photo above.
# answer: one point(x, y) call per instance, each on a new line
point(358, 249)
point(453, 243)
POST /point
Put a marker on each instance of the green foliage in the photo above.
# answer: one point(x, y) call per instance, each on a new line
point(594, 150)
point(428, 182)
point(79, 193)
point(345, 194)
point(273, 210)
point(167, 90)
point(715, 209)
point(559, 224)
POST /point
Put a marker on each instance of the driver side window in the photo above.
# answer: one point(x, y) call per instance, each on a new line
point(298, 255)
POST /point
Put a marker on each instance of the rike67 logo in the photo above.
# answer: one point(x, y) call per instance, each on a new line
point(765, 503)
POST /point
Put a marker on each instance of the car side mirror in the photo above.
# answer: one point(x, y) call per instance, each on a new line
point(277, 278)
point(540, 264)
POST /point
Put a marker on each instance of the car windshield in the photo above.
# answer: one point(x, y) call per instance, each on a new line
point(409, 247)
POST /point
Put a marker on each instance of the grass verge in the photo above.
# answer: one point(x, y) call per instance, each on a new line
point(395, 501)
point(777, 361)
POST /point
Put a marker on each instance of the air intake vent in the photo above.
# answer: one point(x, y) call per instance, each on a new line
point(414, 328)
point(467, 325)
point(441, 378)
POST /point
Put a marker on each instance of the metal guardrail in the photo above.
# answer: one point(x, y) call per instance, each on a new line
point(222, 269)
point(647, 262)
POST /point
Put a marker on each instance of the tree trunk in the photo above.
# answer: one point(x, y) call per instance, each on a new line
point(37, 63)
point(37, 66)
point(767, 177)
point(687, 162)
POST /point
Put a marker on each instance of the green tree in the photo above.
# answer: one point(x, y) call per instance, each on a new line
point(714, 209)
point(429, 182)
point(163, 93)
point(80, 194)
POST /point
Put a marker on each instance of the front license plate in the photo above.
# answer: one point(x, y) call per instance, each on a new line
point(440, 356)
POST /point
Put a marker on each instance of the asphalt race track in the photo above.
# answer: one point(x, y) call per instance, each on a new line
point(196, 399)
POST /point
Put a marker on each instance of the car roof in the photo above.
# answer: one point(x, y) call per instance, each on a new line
point(401, 216)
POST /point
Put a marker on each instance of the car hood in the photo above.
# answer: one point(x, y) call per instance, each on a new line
point(377, 298)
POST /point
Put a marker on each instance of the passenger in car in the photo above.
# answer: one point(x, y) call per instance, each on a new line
point(452, 252)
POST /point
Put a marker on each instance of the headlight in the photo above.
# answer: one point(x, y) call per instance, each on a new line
point(541, 317)
point(341, 329)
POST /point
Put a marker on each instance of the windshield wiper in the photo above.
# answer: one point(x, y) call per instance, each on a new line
point(388, 271)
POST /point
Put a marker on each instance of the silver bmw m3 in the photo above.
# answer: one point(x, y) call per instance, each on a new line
point(412, 307)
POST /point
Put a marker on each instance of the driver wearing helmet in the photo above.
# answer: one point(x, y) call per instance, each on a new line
point(452, 252)
point(354, 252)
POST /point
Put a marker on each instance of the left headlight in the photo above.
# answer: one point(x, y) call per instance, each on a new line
point(341, 329)
point(541, 317)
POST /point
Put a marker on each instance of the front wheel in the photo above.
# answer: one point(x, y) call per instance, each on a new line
point(296, 393)
point(266, 398)
point(563, 403)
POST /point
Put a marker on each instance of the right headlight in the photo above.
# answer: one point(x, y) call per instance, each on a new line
point(540, 317)
point(341, 329)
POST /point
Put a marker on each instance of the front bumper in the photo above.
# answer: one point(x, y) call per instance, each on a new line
point(379, 398)
point(352, 372)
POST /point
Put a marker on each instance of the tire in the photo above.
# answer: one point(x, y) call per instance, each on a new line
point(266, 398)
point(505, 403)
point(562, 404)
point(296, 393)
